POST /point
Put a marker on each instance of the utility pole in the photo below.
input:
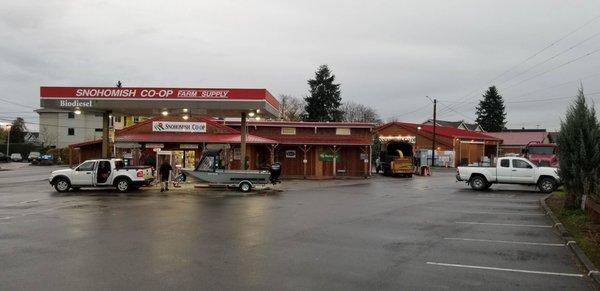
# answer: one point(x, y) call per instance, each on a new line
point(434, 126)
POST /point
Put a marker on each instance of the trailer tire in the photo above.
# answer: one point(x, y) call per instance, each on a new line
point(245, 186)
point(479, 183)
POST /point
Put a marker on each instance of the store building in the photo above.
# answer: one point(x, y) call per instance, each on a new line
point(305, 149)
point(453, 146)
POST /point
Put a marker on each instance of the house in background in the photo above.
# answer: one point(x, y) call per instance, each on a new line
point(515, 140)
point(461, 124)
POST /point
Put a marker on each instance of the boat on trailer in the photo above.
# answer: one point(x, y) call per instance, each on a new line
point(209, 171)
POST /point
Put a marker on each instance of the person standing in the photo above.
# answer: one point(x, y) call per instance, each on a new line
point(164, 171)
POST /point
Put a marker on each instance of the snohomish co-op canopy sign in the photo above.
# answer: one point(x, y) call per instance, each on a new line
point(149, 101)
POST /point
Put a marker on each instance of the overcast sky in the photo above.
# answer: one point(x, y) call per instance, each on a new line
point(386, 54)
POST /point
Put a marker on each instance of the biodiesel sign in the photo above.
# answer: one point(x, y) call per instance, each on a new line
point(327, 156)
point(174, 126)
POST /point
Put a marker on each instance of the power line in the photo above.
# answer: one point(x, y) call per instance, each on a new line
point(468, 96)
point(549, 59)
point(410, 112)
point(554, 68)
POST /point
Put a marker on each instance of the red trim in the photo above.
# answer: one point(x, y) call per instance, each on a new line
point(169, 137)
point(208, 120)
point(449, 132)
point(157, 93)
point(275, 123)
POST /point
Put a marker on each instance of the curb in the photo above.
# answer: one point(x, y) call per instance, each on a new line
point(593, 272)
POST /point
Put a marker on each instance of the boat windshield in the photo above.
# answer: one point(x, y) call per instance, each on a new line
point(207, 163)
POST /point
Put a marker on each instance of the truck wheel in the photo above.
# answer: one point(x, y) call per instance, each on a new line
point(547, 185)
point(123, 185)
point(245, 187)
point(62, 185)
point(479, 183)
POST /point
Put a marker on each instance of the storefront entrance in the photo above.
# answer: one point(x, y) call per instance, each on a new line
point(185, 158)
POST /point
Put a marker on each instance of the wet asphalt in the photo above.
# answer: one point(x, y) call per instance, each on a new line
point(382, 233)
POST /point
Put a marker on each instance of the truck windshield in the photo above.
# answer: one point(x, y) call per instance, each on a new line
point(207, 163)
point(541, 150)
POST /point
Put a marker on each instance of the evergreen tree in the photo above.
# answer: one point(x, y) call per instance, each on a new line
point(325, 99)
point(579, 152)
point(490, 111)
point(18, 130)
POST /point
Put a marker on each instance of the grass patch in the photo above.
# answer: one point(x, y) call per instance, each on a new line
point(586, 234)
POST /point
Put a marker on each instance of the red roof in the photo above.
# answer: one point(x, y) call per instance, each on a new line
point(162, 137)
point(85, 143)
point(449, 132)
point(280, 123)
point(322, 140)
point(520, 138)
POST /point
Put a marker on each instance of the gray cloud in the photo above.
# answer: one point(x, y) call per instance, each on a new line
point(387, 54)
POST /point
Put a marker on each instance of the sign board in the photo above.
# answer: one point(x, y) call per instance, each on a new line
point(178, 126)
point(237, 154)
point(405, 138)
point(188, 146)
point(327, 156)
point(154, 145)
point(290, 154)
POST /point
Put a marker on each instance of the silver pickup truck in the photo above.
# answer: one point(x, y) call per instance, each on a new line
point(510, 170)
point(101, 173)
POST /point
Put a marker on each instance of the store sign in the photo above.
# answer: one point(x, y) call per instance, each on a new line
point(405, 138)
point(158, 93)
point(328, 156)
point(188, 146)
point(176, 126)
point(290, 154)
point(155, 145)
point(76, 103)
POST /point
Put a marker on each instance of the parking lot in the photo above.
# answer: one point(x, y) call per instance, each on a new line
point(382, 233)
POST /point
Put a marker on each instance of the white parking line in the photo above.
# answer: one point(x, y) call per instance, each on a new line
point(500, 213)
point(506, 241)
point(506, 270)
point(504, 224)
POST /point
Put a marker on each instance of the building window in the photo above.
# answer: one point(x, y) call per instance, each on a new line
point(117, 118)
point(71, 115)
point(288, 130)
point(342, 131)
point(70, 131)
point(136, 119)
point(98, 129)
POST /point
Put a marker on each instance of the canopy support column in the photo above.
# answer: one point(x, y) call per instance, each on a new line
point(304, 150)
point(105, 141)
point(244, 132)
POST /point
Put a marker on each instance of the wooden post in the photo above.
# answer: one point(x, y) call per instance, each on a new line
point(272, 152)
point(244, 132)
point(304, 150)
point(365, 163)
point(334, 152)
point(105, 141)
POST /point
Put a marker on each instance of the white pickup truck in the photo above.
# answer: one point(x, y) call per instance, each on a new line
point(101, 173)
point(510, 170)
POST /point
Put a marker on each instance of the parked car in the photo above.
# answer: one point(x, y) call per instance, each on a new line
point(46, 160)
point(16, 157)
point(542, 154)
point(510, 170)
point(33, 157)
point(4, 158)
point(102, 173)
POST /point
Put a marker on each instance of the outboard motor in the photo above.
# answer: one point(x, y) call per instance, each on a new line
point(275, 170)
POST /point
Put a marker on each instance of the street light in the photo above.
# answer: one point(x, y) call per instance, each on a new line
point(8, 127)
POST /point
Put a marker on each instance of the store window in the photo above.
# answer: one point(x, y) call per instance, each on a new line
point(71, 115)
point(342, 131)
point(70, 131)
point(136, 119)
point(117, 118)
point(288, 130)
